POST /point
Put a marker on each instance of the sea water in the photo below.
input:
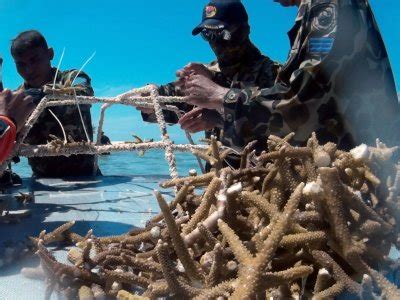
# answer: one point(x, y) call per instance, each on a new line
point(121, 124)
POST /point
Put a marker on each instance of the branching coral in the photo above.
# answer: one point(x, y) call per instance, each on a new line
point(311, 222)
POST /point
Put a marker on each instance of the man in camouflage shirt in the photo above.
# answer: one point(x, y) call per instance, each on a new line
point(239, 65)
point(33, 58)
point(337, 82)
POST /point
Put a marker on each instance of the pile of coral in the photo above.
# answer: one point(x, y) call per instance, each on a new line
point(293, 222)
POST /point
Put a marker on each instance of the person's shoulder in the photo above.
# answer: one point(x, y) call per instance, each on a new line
point(267, 62)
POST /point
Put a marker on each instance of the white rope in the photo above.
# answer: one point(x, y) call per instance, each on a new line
point(131, 98)
point(83, 66)
point(58, 68)
point(80, 116)
point(55, 149)
point(61, 125)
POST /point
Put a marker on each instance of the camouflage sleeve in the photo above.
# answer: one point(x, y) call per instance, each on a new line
point(170, 117)
point(289, 105)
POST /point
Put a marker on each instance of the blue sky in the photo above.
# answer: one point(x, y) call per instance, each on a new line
point(139, 42)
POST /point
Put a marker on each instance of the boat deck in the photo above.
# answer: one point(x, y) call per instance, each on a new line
point(109, 205)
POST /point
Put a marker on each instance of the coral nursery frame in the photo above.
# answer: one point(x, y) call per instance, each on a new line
point(133, 98)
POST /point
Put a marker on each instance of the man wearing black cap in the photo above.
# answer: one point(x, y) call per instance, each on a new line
point(337, 82)
point(239, 64)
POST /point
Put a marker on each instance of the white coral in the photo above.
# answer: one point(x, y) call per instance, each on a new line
point(360, 153)
point(312, 188)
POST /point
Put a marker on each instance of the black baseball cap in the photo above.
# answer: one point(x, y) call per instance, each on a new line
point(219, 14)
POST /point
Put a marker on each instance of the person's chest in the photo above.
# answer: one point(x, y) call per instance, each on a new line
point(247, 76)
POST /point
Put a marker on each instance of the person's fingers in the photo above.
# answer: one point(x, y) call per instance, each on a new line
point(146, 110)
point(180, 73)
point(196, 127)
point(190, 91)
point(193, 77)
point(189, 81)
point(180, 83)
point(194, 112)
point(20, 96)
point(189, 123)
point(6, 95)
point(28, 100)
point(190, 115)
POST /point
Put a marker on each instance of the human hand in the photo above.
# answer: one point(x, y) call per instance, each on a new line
point(17, 106)
point(194, 69)
point(146, 110)
point(203, 92)
point(200, 119)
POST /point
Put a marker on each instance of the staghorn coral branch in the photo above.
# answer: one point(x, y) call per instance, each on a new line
point(270, 177)
point(289, 153)
point(250, 277)
point(272, 279)
point(202, 211)
point(335, 209)
point(141, 264)
point(85, 293)
point(215, 271)
point(175, 285)
point(323, 282)
point(241, 253)
point(207, 235)
point(203, 155)
point(177, 241)
point(224, 289)
point(331, 292)
point(367, 289)
point(324, 224)
point(157, 290)
point(192, 180)
point(302, 239)
point(56, 235)
point(326, 261)
point(269, 210)
point(124, 295)
point(127, 277)
point(212, 221)
point(389, 290)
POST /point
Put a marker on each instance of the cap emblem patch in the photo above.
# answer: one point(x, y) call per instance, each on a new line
point(211, 11)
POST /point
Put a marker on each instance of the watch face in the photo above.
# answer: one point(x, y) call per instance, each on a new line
point(230, 97)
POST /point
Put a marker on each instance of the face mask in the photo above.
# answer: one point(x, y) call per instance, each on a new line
point(229, 44)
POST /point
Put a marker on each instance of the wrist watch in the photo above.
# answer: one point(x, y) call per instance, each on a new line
point(4, 127)
point(231, 96)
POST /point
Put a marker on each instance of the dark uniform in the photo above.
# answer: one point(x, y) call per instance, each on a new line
point(337, 82)
point(75, 165)
point(254, 71)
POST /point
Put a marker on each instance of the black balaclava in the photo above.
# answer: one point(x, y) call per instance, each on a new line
point(232, 54)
